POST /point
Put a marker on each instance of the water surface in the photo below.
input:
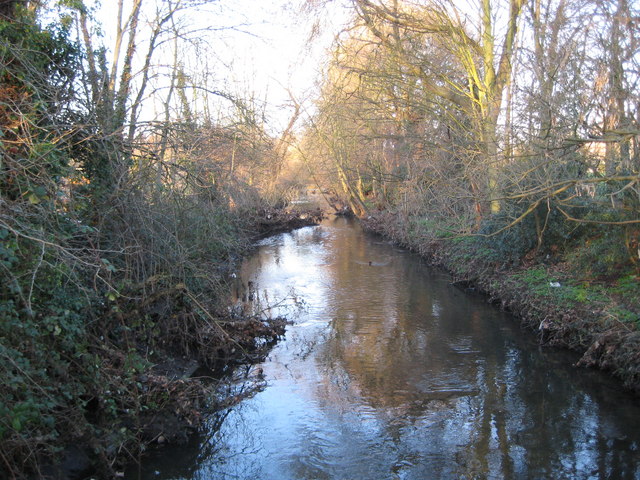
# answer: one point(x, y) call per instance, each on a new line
point(389, 372)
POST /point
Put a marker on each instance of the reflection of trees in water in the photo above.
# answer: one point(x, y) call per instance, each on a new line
point(420, 380)
point(255, 292)
point(533, 423)
point(221, 449)
point(405, 348)
point(207, 452)
point(383, 328)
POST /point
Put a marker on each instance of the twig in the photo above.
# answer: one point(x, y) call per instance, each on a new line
point(33, 280)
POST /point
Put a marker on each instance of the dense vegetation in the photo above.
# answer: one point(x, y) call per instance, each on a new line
point(502, 140)
point(115, 235)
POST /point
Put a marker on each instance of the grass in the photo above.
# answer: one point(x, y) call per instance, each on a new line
point(618, 300)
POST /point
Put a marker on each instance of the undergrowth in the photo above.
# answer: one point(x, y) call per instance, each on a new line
point(112, 261)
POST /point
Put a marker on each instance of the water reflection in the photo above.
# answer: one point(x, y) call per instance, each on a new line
point(391, 373)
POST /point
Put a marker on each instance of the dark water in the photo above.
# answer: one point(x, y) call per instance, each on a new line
point(391, 373)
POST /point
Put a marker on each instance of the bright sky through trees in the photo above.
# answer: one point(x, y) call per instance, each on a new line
point(252, 49)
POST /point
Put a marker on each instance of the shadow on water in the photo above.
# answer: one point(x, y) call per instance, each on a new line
point(389, 372)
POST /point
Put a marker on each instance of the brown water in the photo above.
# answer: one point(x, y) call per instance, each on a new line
point(389, 372)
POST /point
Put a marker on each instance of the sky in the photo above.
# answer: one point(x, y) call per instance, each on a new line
point(258, 48)
point(275, 55)
point(255, 49)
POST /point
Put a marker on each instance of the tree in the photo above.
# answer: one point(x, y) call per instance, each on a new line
point(485, 57)
point(620, 45)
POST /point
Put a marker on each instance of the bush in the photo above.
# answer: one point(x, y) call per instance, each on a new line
point(600, 256)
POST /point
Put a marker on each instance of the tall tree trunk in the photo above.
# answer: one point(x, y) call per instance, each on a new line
point(617, 153)
point(353, 198)
point(124, 89)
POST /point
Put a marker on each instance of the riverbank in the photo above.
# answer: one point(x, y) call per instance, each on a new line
point(599, 319)
point(188, 366)
point(387, 361)
point(154, 359)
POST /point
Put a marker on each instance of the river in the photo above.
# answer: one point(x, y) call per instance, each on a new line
point(390, 372)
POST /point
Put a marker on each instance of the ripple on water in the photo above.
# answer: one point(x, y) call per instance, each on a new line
point(390, 373)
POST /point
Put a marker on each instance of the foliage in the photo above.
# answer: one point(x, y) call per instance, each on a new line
point(511, 244)
point(112, 253)
point(410, 120)
point(602, 254)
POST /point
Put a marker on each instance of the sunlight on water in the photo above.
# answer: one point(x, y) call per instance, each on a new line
point(389, 372)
